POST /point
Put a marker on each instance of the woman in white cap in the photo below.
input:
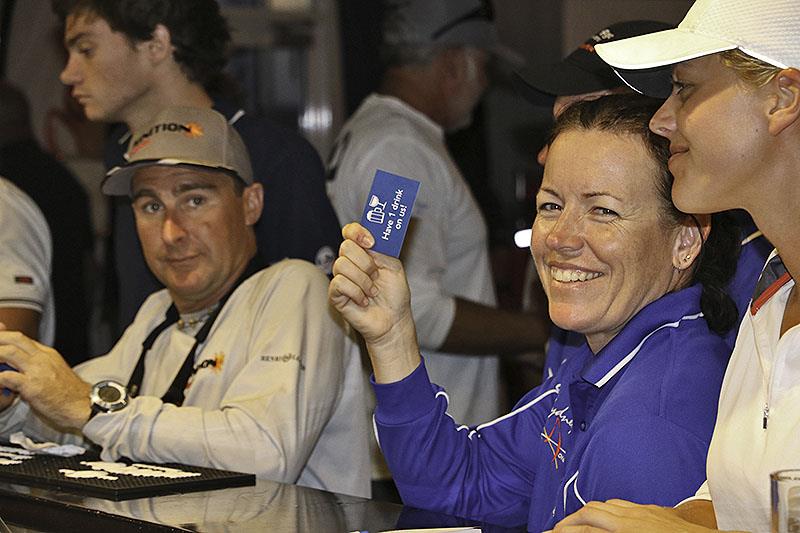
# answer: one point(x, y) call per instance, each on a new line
point(733, 122)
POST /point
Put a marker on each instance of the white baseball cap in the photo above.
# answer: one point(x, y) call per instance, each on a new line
point(768, 30)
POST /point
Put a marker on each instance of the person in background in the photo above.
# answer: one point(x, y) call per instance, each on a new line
point(631, 414)
point(582, 75)
point(129, 59)
point(436, 54)
point(65, 206)
point(732, 119)
point(26, 294)
point(233, 365)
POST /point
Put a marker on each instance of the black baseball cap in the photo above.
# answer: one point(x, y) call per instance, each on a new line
point(582, 71)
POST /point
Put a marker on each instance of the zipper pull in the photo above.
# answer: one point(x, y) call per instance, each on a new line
point(766, 416)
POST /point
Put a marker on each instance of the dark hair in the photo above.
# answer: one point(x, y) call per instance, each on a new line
point(630, 114)
point(198, 30)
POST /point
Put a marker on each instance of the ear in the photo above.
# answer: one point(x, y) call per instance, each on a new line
point(785, 110)
point(453, 65)
point(253, 203)
point(159, 47)
point(689, 241)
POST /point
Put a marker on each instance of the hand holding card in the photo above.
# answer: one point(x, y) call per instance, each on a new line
point(370, 289)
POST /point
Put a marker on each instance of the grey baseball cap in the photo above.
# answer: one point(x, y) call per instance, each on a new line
point(444, 22)
point(182, 136)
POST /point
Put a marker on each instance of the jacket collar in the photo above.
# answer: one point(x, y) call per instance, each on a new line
point(668, 311)
point(773, 277)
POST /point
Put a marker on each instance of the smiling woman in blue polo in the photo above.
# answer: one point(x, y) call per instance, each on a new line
point(629, 414)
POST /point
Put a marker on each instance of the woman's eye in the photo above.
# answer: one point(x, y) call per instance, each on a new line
point(196, 201)
point(680, 88)
point(548, 206)
point(604, 211)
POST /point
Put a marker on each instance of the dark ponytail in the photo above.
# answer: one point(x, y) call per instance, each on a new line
point(715, 269)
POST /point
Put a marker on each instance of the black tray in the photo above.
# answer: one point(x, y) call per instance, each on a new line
point(43, 471)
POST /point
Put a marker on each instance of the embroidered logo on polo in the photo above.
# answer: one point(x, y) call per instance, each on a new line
point(284, 358)
point(214, 363)
point(555, 426)
point(190, 129)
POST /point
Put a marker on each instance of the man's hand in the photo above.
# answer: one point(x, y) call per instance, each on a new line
point(620, 516)
point(44, 380)
point(371, 292)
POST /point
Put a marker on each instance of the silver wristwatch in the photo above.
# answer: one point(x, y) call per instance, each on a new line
point(108, 396)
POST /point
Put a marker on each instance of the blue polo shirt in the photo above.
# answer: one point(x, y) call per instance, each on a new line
point(632, 422)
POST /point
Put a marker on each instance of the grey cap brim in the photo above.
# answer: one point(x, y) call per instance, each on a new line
point(118, 179)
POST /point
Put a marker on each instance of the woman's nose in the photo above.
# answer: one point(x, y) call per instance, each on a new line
point(663, 122)
point(566, 234)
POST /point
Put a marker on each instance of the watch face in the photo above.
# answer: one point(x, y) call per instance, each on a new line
point(109, 394)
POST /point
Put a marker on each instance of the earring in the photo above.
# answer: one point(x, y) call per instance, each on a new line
point(688, 256)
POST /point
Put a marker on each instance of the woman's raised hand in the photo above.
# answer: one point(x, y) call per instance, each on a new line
point(371, 292)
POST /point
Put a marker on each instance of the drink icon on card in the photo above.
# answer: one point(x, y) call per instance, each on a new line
point(377, 214)
point(389, 220)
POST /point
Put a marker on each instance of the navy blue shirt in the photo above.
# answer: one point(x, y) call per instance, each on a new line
point(632, 422)
point(298, 220)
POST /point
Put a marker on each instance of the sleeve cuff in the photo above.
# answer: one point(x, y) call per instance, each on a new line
point(406, 400)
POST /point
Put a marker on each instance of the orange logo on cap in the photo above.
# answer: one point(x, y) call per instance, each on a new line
point(193, 130)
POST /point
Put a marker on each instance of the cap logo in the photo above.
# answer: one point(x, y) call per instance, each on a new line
point(603, 35)
point(190, 129)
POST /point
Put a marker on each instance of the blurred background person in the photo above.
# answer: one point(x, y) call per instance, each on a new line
point(65, 206)
point(436, 55)
point(26, 294)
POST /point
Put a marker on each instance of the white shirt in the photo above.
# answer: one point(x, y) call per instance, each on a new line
point(26, 252)
point(283, 399)
point(446, 252)
point(763, 375)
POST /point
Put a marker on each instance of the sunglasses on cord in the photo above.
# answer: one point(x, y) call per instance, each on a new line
point(482, 12)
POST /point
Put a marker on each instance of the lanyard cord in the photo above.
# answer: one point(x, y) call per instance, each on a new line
point(176, 391)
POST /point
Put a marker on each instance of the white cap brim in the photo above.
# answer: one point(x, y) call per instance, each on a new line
point(660, 49)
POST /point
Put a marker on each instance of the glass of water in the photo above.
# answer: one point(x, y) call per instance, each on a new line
point(785, 493)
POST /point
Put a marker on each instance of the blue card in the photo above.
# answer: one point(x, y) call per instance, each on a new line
point(388, 211)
